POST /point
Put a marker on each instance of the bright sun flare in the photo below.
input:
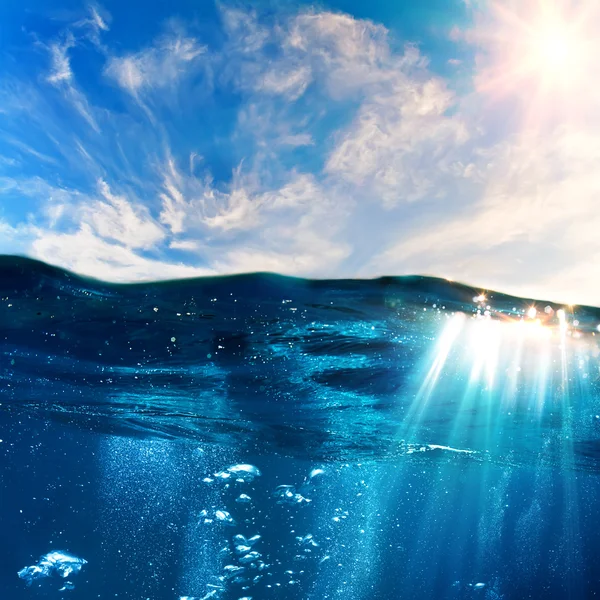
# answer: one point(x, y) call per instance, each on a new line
point(553, 49)
point(540, 50)
point(554, 52)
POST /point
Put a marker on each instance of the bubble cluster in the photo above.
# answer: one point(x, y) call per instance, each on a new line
point(241, 473)
point(243, 562)
point(54, 563)
point(287, 494)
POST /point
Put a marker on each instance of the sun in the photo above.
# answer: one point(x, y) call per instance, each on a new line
point(539, 50)
point(554, 52)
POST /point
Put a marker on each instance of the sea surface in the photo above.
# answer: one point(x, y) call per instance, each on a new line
point(266, 437)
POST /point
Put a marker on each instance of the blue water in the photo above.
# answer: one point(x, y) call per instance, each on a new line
point(437, 441)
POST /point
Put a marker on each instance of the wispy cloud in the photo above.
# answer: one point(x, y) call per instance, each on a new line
point(151, 76)
point(402, 145)
point(245, 32)
point(271, 214)
point(115, 218)
point(532, 225)
point(158, 66)
point(92, 25)
point(291, 83)
point(99, 18)
point(29, 150)
point(61, 65)
point(175, 208)
point(397, 137)
point(85, 252)
point(308, 142)
point(103, 236)
point(62, 77)
point(186, 245)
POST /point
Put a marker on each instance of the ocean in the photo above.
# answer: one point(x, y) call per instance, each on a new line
point(267, 437)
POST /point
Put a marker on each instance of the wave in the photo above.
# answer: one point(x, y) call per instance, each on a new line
point(330, 368)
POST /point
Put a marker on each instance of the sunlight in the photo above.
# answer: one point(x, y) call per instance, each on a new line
point(555, 52)
point(541, 52)
point(486, 337)
point(445, 344)
point(435, 366)
point(554, 49)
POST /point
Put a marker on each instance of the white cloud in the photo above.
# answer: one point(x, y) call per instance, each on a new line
point(190, 203)
point(533, 228)
point(11, 162)
point(158, 66)
point(340, 53)
point(115, 218)
point(101, 237)
point(244, 30)
point(233, 210)
point(347, 55)
point(60, 63)
point(272, 129)
point(99, 21)
point(296, 139)
point(177, 212)
point(186, 245)
point(401, 147)
point(79, 101)
point(245, 209)
point(61, 76)
point(291, 83)
point(111, 216)
point(270, 214)
point(84, 252)
point(243, 227)
point(95, 23)
point(173, 213)
point(301, 259)
point(128, 73)
point(303, 234)
point(54, 202)
point(340, 38)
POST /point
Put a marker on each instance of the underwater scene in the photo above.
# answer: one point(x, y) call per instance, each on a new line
point(266, 437)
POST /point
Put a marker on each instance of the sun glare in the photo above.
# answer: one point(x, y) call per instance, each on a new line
point(541, 51)
point(555, 53)
point(554, 48)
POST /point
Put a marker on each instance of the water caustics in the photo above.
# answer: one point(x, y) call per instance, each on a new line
point(292, 422)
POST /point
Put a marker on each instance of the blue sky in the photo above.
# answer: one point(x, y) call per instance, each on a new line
point(454, 138)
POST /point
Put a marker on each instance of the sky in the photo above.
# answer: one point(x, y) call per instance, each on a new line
point(453, 138)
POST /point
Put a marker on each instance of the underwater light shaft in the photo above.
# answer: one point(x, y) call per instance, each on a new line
point(498, 372)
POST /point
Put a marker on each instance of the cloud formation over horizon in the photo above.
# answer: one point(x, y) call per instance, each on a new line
point(305, 142)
